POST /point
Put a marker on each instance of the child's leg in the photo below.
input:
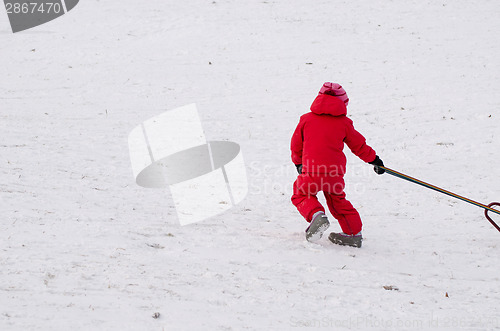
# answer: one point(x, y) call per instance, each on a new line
point(344, 212)
point(304, 197)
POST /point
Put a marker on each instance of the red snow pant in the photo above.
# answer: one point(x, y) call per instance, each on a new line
point(307, 186)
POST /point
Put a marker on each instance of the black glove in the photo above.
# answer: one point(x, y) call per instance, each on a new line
point(299, 168)
point(378, 162)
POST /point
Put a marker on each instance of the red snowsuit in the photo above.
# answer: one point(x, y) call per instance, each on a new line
point(317, 144)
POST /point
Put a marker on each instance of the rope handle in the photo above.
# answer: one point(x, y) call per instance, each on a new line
point(488, 216)
point(487, 208)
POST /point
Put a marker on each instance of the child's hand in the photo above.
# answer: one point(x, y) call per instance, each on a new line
point(378, 162)
point(299, 168)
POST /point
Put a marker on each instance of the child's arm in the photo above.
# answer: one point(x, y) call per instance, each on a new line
point(357, 143)
point(297, 143)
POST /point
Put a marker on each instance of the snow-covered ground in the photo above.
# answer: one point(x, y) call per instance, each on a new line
point(82, 247)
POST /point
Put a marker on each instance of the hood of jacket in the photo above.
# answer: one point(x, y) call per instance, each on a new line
point(328, 104)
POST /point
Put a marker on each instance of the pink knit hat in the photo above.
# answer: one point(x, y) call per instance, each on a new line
point(335, 90)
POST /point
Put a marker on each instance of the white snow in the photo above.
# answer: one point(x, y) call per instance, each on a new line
point(82, 247)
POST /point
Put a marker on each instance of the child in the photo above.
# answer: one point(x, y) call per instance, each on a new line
point(317, 145)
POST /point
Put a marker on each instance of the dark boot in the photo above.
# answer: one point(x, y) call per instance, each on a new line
point(318, 226)
point(345, 239)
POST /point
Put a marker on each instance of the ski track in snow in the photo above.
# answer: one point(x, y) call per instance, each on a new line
point(83, 247)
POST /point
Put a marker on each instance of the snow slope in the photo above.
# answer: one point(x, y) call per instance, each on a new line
point(82, 247)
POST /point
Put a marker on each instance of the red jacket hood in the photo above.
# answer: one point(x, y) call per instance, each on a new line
point(328, 104)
